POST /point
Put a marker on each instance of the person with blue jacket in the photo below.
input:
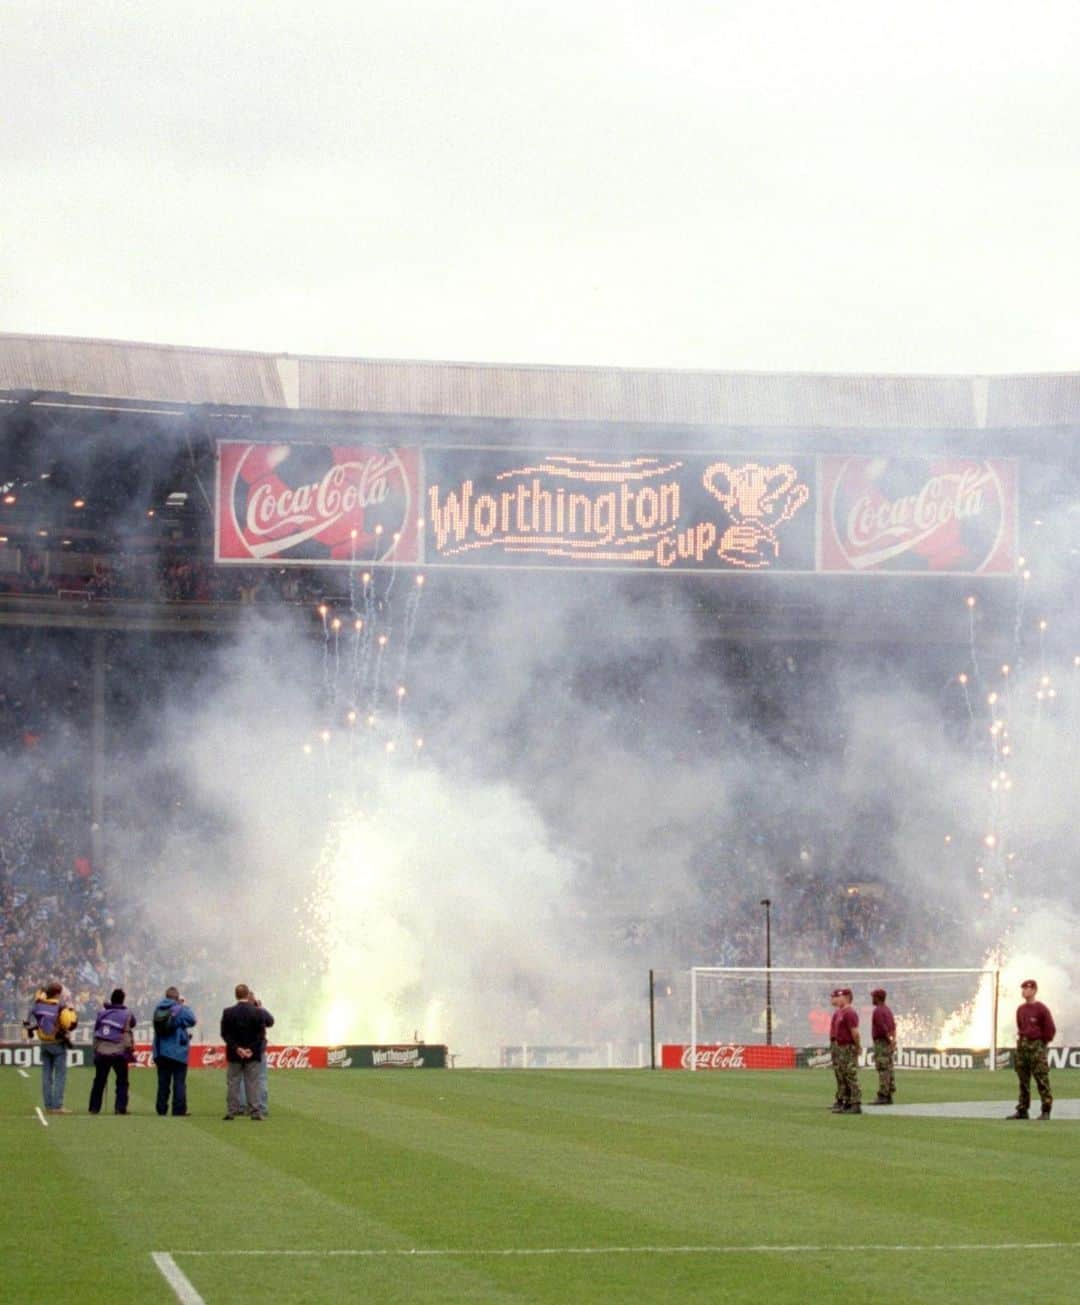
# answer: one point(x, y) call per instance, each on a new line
point(172, 1020)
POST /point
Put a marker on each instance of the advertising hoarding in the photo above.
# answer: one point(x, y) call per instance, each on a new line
point(307, 504)
point(932, 516)
point(310, 504)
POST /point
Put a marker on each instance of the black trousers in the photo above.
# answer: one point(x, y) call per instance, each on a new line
point(102, 1066)
point(171, 1075)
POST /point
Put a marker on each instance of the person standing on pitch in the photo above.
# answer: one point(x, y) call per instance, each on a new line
point(264, 1066)
point(243, 1030)
point(51, 1018)
point(883, 1032)
point(172, 1020)
point(114, 1048)
point(845, 1045)
point(1035, 1031)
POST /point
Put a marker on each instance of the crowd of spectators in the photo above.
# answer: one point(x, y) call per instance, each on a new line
point(165, 577)
point(58, 917)
point(55, 918)
point(57, 921)
point(824, 923)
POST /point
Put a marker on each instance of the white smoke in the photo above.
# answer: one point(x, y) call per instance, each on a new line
point(577, 768)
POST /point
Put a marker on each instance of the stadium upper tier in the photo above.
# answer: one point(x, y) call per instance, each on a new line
point(64, 369)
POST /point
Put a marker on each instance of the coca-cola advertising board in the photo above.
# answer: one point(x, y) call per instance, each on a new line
point(212, 1056)
point(727, 1055)
point(337, 504)
point(931, 516)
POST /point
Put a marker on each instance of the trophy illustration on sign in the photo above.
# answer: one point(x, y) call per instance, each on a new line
point(758, 500)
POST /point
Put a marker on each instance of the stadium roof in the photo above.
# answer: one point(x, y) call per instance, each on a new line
point(61, 368)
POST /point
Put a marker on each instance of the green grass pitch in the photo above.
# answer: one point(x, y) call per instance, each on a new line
point(607, 1177)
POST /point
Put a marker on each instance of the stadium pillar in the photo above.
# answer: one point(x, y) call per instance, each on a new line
point(766, 902)
point(97, 751)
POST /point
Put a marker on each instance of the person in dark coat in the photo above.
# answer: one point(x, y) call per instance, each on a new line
point(243, 1030)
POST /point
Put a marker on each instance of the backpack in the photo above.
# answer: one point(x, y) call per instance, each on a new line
point(111, 1024)
point(46, 1020)
point(164, 1021)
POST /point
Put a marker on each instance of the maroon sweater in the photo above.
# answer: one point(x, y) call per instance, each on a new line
point(882, 1025)
point(1033, 1020)
point(845, 1022)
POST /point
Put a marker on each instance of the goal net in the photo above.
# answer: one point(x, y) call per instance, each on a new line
point(788, 1006)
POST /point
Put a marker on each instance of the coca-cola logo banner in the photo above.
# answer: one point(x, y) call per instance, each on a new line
point(316, 503)
point(212, 1056)
point(918, 515)
point(726, 1055)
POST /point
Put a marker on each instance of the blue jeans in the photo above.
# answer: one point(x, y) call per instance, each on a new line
point(171, 1074)
point(53, 1074)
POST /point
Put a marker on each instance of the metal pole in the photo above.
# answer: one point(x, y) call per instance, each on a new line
point(994, 1030)
point(652, 1021)
point(767, 904)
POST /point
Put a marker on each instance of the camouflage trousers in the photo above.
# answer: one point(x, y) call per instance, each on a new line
point(883, 1063)
point(845, 1062)
point(1031, 1060)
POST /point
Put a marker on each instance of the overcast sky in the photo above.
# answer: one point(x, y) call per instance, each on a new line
point(734, 185)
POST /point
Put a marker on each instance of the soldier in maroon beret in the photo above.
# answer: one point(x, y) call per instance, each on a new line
point(883, 1032)
point(1035, 1031)
point(844, 1046)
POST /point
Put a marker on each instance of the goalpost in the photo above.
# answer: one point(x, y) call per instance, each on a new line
point(748, 1004)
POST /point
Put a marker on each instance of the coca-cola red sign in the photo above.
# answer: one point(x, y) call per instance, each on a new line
point(296, 1057)
point(210, 1055)
point(726, 1055)
point(305, 503)
point(931, 515)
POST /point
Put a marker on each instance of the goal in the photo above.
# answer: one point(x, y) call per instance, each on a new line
point(788, 1005)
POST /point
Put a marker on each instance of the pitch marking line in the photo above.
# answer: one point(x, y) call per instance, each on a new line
point(177, 1279)
point(44, 1121)
point(24, 1073)
point(631, 1250)
point(186, 1294)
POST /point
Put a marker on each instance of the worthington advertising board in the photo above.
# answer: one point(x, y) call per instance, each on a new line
point(314, 504)
point(684, 512)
